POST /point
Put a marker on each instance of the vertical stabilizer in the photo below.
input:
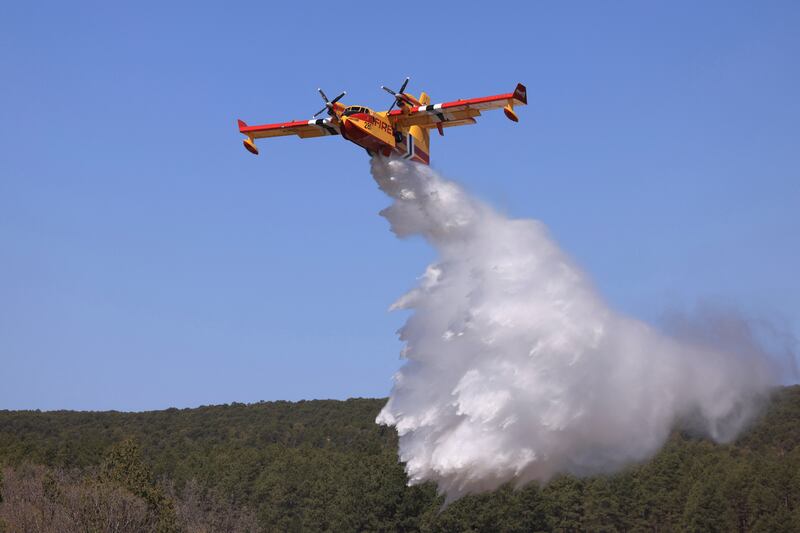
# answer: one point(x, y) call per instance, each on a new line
point(422, 141)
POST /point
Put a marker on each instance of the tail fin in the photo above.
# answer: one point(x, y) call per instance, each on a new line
point(422, 140)
point(521, 94)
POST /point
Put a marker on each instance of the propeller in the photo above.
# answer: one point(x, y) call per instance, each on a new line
point(328, 104)
point(399, 97)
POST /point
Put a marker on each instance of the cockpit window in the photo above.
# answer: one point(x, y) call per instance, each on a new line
point(354, 110)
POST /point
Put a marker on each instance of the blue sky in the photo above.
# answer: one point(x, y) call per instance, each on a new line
point(148, 261)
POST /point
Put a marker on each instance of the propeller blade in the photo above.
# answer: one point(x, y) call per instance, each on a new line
point(399, 97)
point(323, 96)
point(338, 97)
point(403, 99)
point(321, 110)
point(392, 106)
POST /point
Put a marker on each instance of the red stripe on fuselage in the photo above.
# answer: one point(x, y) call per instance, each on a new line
point(421, 155)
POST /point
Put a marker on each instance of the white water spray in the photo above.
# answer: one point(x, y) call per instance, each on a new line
point(517, 370)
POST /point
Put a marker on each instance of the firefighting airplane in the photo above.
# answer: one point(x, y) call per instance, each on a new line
point(403, 132)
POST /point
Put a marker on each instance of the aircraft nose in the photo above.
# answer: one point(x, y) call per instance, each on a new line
point(348, 127)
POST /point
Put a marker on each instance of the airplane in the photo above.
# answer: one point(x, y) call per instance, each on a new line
point(402, 132)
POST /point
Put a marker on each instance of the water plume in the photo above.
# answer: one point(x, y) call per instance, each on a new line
point(516, 370)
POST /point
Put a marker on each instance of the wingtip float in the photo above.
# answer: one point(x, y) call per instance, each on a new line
point(403, 132)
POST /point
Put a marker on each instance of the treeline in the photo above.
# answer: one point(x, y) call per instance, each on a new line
point(326, 466)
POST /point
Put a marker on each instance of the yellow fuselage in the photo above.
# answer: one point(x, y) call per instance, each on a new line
point(374, 132)
point(368, 129)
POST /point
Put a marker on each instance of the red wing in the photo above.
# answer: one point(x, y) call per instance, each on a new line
point(302, 128)
point(428, 116)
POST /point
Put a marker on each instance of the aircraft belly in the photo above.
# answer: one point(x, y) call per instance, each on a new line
point(362, 137)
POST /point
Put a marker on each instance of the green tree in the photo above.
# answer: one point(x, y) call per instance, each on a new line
point(601, 507)
point(564, 499)
point(706, 510)
point(123, 465)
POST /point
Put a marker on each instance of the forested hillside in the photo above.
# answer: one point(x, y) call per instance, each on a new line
point(326, 466)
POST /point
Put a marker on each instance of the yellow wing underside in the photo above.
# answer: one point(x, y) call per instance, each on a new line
point(458, 113)
point(460, 117)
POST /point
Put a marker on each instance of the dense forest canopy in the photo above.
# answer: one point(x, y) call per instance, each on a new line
point(326, 466)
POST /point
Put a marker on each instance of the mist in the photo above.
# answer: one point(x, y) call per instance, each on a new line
point(515, 368)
